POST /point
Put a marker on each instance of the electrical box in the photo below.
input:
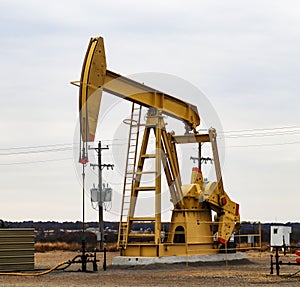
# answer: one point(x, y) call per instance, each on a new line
point(280, 235)
point(95, 194)
point(106, 194)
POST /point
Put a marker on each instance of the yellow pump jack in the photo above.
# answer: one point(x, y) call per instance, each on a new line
point(192, 230)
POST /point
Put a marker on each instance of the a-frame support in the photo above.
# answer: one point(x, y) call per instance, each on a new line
point(165, 158)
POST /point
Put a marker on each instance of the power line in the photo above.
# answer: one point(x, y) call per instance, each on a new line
point(263, 134)
point(37, 161)
point(258, 132)
point(37, 151)
point(33, 147)
point(260, 145)
point(263, 129)
point(227, 146)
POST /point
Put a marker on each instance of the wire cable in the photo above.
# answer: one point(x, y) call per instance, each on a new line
point(233, 134)
point(37, 161)
point(262, 129)
point(37, 151)
point(260, 145)
point(38, 146)
point(262, 134)
point(291, 275)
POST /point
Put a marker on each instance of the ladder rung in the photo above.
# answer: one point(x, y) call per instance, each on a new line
point(148, 125)
point(145, 188)
point(149, 155)
point(130, 173)
point(142, 219)
point(145, 172)
point(141, 235)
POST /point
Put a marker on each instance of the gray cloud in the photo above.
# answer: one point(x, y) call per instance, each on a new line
point(244, 55)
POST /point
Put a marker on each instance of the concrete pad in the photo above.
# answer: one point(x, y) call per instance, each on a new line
point(136, 261)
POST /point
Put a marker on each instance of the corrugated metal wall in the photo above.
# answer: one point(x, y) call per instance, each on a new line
point(16, 249)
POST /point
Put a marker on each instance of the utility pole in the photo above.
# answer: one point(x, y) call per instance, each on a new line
point(199, 156)
point(100, 200)
point(201, 159)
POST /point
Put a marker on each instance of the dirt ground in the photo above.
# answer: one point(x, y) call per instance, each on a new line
point(251, 272)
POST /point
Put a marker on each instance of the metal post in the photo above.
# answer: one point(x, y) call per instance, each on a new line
point(158, 134)
point(272, 268)
point(277, 260)
point(100, 203)
point(199, 155)
point(83, 201)
point(104, 259)
point(260, 234)
point(83, 256)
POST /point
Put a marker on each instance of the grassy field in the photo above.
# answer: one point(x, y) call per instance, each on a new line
point(251, 272)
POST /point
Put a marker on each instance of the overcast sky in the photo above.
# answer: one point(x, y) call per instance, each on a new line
point(242, 55)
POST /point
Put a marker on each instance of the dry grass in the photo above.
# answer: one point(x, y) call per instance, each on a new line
point(111, 247)
point(63, 246)
point(47, 246)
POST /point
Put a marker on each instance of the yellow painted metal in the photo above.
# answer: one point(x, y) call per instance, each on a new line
point(197, 177)
point(171, 168)
point(152, 98)
point(213, 139)
point(227, 210)
point(95, 78)
point(194, 220)
point(191, 224)
point(92, 77)
point(158, 145)
point(192, 230)
point(191, 138)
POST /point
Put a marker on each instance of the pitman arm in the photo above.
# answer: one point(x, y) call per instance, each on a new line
point(227, 210)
